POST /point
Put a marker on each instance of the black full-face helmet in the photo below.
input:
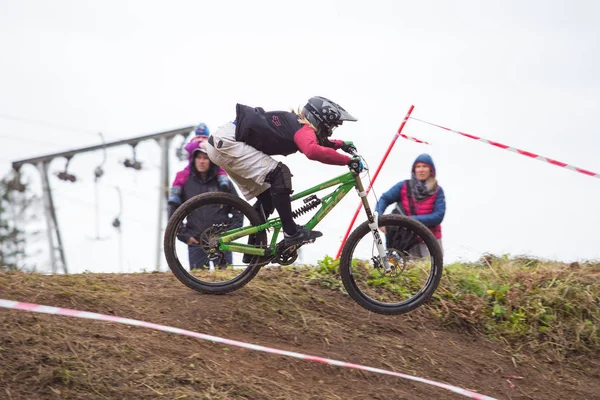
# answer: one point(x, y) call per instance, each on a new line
point(325, 115)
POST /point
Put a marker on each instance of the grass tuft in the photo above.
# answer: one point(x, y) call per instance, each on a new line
point(543, 304)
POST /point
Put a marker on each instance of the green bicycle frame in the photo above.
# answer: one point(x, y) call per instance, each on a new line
point(346, 182)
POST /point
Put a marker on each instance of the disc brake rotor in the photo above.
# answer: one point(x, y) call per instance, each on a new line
point(397, 260)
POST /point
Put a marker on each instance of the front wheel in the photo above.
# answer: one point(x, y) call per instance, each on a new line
point(415, 257)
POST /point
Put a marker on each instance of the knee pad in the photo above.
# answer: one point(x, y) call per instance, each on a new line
point(280, 179)
point(264, 204)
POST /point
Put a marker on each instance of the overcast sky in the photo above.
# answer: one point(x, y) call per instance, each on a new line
point(521, 73)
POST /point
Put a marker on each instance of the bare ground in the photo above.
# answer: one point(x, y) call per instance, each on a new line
point(54, 357)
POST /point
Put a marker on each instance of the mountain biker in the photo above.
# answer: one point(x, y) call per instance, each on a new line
point(244, 148)
point(429, 201)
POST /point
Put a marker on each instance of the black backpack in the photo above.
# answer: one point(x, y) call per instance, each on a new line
point(399, 238)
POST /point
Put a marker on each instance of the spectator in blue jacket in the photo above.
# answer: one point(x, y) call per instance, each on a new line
point(428, 199)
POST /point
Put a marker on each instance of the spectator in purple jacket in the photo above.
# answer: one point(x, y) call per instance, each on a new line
point(428, 198)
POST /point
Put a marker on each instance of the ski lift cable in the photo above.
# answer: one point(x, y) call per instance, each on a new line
point(20, 139)
point(46, 123)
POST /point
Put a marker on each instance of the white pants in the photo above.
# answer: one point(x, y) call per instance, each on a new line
point(245, 165)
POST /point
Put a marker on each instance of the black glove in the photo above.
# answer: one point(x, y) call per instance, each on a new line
point(348, 147)
point(224, 187)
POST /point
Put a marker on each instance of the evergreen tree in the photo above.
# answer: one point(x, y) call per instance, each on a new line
point(15, 201)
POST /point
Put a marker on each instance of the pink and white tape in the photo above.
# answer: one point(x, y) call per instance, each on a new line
point(15, 305)
point(414, 139)
point(515, 150)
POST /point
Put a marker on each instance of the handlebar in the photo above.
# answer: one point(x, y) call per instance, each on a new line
point(356, 163)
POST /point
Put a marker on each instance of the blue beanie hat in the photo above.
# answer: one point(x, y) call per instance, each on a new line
point(202, 130)
point(425, 158)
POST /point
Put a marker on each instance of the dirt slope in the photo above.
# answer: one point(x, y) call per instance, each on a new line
point(52, 357)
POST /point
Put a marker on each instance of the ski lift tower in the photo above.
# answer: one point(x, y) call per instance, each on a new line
point(55, 244)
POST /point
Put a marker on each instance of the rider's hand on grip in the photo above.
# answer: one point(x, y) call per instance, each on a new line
point(356, 164)
point(349, 147)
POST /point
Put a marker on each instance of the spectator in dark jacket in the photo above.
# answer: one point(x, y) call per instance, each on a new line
point(203, 178)
point(428, 199)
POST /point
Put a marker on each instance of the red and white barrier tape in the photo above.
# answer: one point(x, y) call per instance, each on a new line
point(375, 175)
point(15, 305)
point(522, 152)
point(412, 138)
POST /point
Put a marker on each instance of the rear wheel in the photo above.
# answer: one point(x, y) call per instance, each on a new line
point(217, 272)
point(416, 266)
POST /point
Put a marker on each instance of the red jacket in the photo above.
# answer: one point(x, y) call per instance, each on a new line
point(425, 206)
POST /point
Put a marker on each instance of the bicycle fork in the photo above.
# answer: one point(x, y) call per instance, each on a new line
point(373, 225)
